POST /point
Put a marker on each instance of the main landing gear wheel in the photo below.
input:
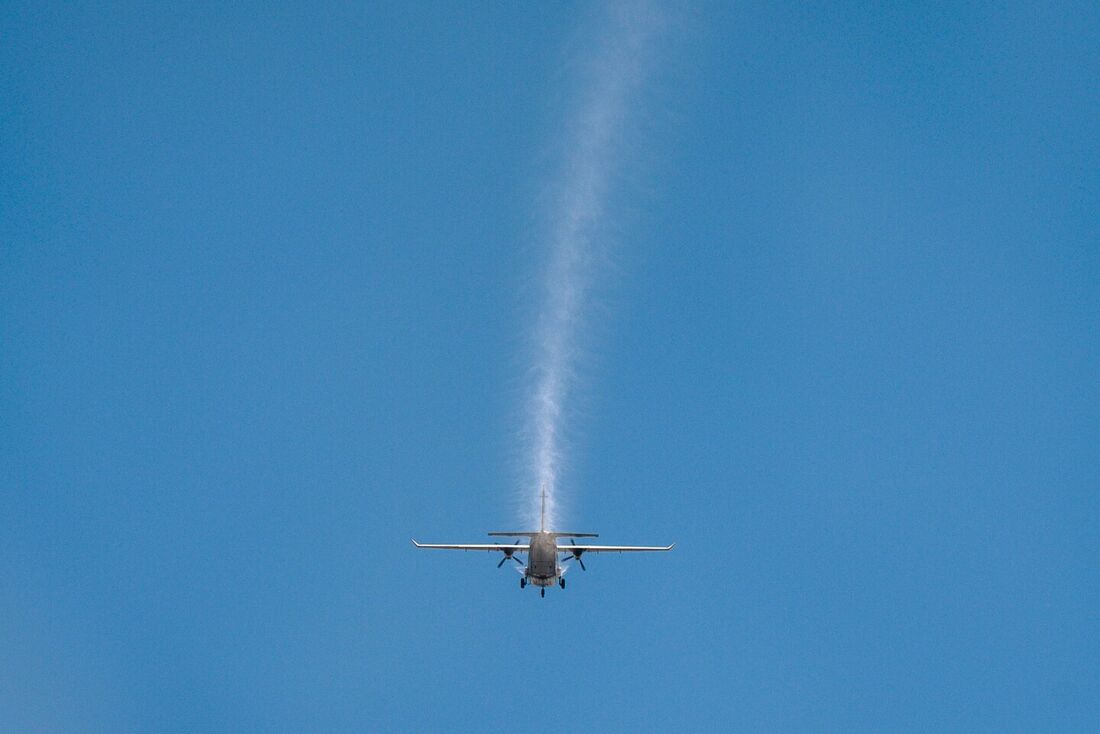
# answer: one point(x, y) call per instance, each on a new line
point(561, 582)
point(522, 583)
point(544, 592)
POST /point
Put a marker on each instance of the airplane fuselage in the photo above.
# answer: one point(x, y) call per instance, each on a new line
point(542, 560)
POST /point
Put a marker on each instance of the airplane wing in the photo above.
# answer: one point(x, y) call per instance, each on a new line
point(578, 549)
point(498, 547)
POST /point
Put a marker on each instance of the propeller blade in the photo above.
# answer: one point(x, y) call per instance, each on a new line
point(515, 559)
point(502, 560)
point(578, 555)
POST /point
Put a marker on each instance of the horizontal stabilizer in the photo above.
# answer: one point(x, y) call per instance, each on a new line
point(529, 533)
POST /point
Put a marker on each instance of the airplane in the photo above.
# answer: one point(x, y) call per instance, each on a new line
point(543, 568)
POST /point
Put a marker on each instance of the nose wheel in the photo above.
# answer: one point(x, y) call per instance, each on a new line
point(543, 590)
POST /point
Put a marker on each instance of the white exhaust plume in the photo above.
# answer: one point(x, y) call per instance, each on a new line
point(592, 154)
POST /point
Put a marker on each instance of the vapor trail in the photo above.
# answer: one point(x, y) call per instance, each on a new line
point(578, 207)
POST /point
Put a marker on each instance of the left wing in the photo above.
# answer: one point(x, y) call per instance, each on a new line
point(578, 549)
point(499, 547)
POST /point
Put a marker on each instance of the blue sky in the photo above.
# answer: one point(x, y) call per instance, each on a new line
point(265, 291)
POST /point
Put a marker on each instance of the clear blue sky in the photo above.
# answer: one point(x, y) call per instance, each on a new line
point(262, 305)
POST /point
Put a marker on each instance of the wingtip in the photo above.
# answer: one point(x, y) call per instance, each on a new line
point(415, 543)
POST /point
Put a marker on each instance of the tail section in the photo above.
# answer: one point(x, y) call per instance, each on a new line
point(542, 518)
point(542, 527)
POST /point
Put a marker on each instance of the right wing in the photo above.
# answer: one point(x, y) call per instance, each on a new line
point(578, 549)
point(499, 547)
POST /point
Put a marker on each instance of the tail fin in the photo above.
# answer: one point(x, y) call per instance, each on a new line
point(528, 533)
point(542, 519)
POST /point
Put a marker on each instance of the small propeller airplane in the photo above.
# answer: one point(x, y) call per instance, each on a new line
point(543, 568)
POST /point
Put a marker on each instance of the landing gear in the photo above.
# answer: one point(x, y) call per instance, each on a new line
point(561, 582)
point(523, 582)
point(544, 592)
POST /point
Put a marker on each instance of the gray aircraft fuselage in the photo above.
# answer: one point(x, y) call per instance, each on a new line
point(542, 560)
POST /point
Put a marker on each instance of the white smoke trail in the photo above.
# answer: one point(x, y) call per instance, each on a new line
point(592, 156)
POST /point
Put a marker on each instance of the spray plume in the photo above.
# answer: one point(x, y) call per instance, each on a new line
point(592, 156)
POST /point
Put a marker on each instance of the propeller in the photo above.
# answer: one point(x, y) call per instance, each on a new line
point(508, 554)
point(575, 555)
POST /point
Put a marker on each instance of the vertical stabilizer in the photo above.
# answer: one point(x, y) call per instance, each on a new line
point(542, 517)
